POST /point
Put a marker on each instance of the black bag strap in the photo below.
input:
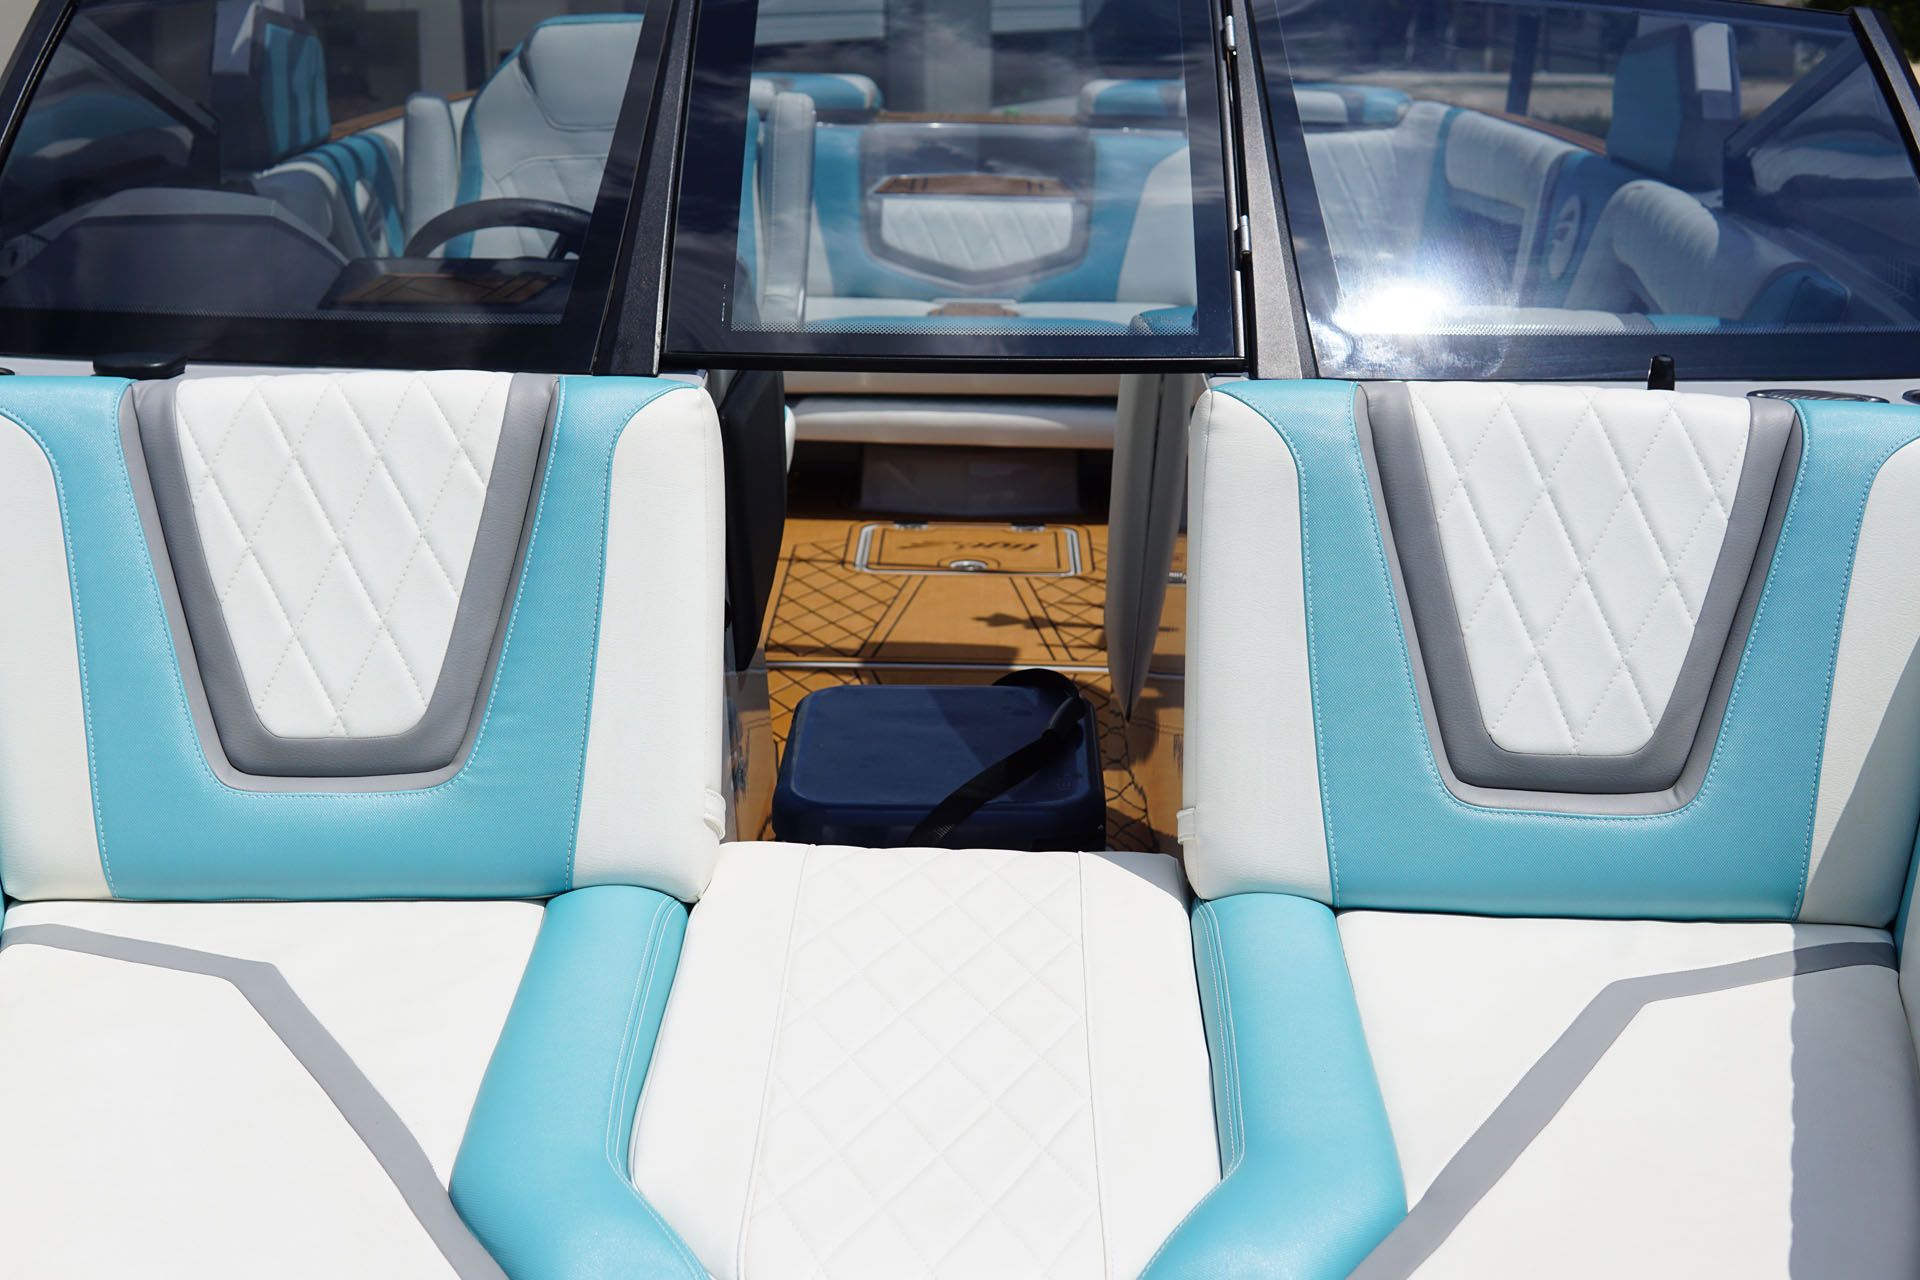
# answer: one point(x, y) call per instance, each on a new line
point(1014, 768)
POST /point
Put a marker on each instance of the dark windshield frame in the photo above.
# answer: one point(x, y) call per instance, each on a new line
point(358, 339)
point(1734, 354)
point(709, 207)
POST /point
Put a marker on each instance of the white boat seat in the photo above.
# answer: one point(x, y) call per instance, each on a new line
point(322, 769)
point(1551, 769)
point(901, 1062)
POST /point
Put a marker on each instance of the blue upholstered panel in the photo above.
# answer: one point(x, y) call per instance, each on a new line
point(1397, 838)
point(369, 160)
point(543, 1175)
point(503, 826)
point(1312, 1182)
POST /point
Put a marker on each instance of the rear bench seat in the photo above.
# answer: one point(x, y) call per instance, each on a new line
point(1551, 768)
point(334, 645)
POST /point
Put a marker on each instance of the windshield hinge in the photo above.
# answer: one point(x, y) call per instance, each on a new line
point(1226, 34)
point(1243, 239)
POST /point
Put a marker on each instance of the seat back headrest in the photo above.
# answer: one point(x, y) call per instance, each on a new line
point(269, 85)
point(1676, 98)
point(577, 68)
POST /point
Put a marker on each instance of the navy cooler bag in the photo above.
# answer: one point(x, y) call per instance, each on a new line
point(1011, 765)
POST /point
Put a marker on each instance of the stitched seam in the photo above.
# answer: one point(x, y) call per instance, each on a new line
point(629, 1059)
point(1204, 914)
point(1093, 1088)
point(79, 630)
point(492, 697)
point(1833, 658)
point(773, 1057)
point(1733, 698)
point(599, 610)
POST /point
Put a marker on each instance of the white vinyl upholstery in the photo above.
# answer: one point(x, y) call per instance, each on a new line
point(1158, 267)
point(430, 166)
point(1252, 792)
point(171, 1132)
point(1368, 182)
point(47, 834)
point(652, 806)
point(879, 1063)
point(338, 516)
point(542, 126)
point(1580, 535)
point(1764, 1130)
point(1658, 250)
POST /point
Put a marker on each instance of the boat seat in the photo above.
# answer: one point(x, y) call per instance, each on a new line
point(321, 766)
point(1552, 776)
point(909, 1062)
point(541, 126)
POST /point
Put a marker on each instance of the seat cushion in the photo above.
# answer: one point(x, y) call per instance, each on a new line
point(925, 1062)
point(1760, 1120)
point(202, 1117)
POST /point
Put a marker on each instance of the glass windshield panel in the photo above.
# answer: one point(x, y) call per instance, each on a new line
point(954, 178)
point(188, 173)
point(1471, 184)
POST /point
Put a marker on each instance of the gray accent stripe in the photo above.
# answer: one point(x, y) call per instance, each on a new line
point(1532, 1104)
point(308, 1040)
point(1475, 758)
point(437, 739)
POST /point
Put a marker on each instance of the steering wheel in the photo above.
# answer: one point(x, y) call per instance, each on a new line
point(568, 224)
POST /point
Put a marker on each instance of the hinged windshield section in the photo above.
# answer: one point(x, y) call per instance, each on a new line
point(953, 178)
point(1556, 191)
point(312, 181)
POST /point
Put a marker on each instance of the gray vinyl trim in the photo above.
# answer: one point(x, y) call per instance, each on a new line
point(307, 1039)
point(1533, 1103)
point(1475, 757)
point(1701, 754)
point(444, 732)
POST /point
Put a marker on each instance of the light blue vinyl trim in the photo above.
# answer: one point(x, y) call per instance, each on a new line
point(502, 826)
point(1137, 98)
point(365, 157)
point(1311, 1182)
point(1122, 161)
point(1398, 838)
point(543, 1176)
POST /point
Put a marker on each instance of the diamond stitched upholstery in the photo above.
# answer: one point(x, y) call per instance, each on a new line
point(912, 1062)
point(338, 515)
point(1580, 529)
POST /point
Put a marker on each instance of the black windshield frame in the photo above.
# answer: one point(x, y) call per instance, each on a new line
point(1834, 353)
point(358, 339)
point(707, 224)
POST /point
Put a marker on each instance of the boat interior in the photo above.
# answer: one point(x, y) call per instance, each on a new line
point(756, 639)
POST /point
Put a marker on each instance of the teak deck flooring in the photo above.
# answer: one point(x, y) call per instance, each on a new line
point(1035, 597)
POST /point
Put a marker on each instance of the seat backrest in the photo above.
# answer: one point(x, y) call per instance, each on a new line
point(1553, 650)
point(1658, 251)
point(343, 636)
point(542, 125)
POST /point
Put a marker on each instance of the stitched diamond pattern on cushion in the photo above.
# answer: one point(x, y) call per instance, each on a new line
point(929, 1104)
point(338, 514)
point(1580, 529)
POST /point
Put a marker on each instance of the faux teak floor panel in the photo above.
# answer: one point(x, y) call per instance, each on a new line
point(910, 619)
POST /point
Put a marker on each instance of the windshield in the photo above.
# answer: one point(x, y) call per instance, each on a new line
point(953, 178)
point(294, 180)
point(1472, 184)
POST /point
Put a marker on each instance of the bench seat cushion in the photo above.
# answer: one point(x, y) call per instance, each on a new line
point(166, 1086)
point(929, 1062)
point(1741, 1101)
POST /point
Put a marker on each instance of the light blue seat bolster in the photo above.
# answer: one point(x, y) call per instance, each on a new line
point(1312, 1182)
point(1398, 838)
point(503, 825)
point(543, 1174)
